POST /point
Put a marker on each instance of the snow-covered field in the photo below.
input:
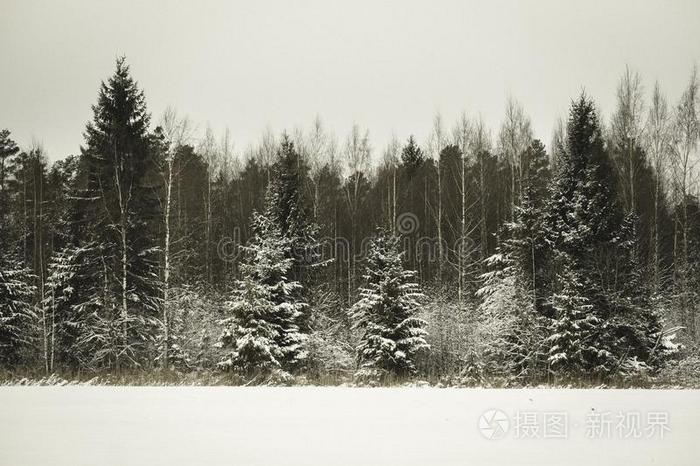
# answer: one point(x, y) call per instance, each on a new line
point(354, 426)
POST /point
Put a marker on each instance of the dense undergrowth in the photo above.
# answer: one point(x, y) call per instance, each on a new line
point(681, 374)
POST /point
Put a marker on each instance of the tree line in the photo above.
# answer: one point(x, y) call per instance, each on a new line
point(472, 255)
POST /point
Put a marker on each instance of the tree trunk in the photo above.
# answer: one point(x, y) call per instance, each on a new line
point(439, 219)
point(482, 205)
point(208, 228)
point(393, 213)
point(655, 234)
point(463, 229)
point(166, 267)
point(124, 312)
point(124, 212)
point(37, 263)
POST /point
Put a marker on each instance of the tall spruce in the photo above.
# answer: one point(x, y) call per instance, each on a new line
point(118, 211)
point(593, 248)
point(289, 209)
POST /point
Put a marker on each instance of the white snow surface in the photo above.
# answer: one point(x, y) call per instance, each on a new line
point(79, 425)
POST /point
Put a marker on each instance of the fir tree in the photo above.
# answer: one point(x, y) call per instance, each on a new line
point(391, 335)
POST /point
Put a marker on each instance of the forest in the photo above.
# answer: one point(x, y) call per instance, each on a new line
point(477, 257)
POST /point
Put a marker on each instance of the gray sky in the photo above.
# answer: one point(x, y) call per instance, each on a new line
point(387, 65)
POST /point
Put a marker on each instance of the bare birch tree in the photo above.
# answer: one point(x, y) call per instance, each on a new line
point(514, 137)
point(462, 135)
point(36, 163)
point(658, 139)
point(627, 130)
point(176, 133)
point(684, 162)
point(316, 150)
point(267, 150)
point(209, 150)
point(391, 159)
point(558, 144)
point(357, 155)
point(436, 144)
point(480, 146)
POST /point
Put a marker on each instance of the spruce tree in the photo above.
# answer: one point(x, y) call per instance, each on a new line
point(18, 318)
point(391, 334)
point(116, 221)
point(8, 149)
point(264, 329)
point(73, 302)
point(525, 236)
point(578, 343)
point(513, 288)
point(510, 328)
point(412, 156)
point(585, 226)
point(287, 207)
point(286, 203)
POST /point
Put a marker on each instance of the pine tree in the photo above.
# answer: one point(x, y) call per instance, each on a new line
point(264, 330)
point(391, 335)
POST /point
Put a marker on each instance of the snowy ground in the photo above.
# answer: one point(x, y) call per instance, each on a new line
point(350, 426)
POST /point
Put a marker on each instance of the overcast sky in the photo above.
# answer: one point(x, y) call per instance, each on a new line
point(389, 66)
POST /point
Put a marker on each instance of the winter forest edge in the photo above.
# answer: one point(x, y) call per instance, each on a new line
point(159, 255)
